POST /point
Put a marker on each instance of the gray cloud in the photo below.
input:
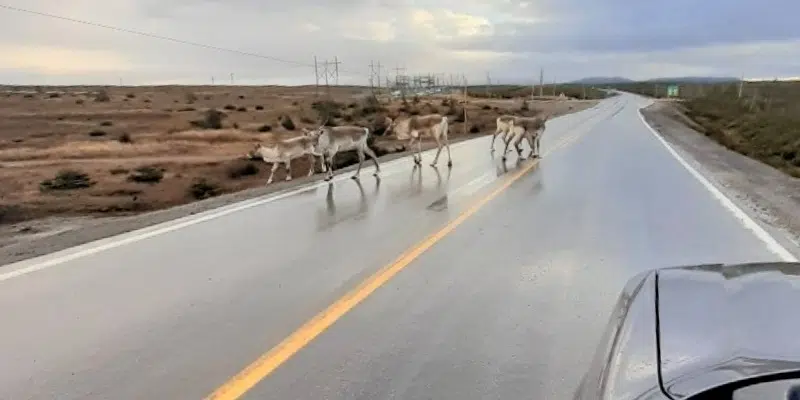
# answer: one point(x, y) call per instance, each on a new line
point(630, 26)
point(510, 38)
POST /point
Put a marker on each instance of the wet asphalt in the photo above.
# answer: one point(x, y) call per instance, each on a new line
point(508, 305)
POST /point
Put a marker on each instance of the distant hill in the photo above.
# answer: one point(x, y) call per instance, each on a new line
point(695, 79)
point(602, 80)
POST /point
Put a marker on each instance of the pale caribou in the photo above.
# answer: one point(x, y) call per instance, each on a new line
point(417, 126)
point(331, 140)
point(504, 123)
point(283, 152)
point(530, 128)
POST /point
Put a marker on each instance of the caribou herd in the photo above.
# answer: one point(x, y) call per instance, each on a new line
point(327, 141)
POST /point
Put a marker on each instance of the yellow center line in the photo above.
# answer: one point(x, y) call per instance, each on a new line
point(239, 384)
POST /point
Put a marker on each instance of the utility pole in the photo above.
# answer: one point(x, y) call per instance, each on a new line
point(464, 78)
point(533, 90)
point(316, 77)
point(231, 78)
point(488, 83)
point(212, 81)
point(541, 82)
point(741, 86)
point(378, 76)
point(372, 77)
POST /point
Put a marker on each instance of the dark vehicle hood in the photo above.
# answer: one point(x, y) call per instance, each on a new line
point(722, 323)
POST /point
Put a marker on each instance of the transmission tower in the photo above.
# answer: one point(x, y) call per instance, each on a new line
point(327, 71)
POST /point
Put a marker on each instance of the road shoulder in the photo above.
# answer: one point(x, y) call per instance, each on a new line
point(36, 238)
point(765, 193)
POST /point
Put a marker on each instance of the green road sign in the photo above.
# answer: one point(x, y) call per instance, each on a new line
point(672, 91)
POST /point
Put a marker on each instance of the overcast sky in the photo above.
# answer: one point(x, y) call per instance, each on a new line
point(510, 39)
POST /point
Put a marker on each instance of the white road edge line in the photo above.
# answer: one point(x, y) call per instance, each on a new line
point(38, 263)
point(772, 244)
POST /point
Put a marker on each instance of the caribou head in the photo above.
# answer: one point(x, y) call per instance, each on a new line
point(316, 132)
point(255, 152)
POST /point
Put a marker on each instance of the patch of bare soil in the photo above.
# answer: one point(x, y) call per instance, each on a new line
point(78, 164)
point(767, 193)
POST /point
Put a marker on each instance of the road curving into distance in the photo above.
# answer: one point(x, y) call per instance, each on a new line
point(480, 282)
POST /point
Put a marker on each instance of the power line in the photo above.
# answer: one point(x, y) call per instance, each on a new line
point(166, 38)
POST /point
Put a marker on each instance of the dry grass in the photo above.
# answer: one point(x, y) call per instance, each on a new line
point(213, 137)
point(573, 91)
point(90, 150)
point(151, 156)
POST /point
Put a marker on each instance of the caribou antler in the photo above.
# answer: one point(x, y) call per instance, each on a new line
point(326, 121)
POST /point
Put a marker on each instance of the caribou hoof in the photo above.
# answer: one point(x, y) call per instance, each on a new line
point(504, 158)
point(354, 177)
point(450, 164)
point(377, 175)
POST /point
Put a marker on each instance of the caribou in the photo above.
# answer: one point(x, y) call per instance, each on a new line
point(331, 140)
point(504, 123)
point(283, 152)
point(530, 128)
point(417, 126)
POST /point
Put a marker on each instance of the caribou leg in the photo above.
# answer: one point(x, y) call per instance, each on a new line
point(288, 164)
point(419, 150)
point(438, 151)
point(327, 159)
point(374, 158)
point(360, 163)
point(272, 172)
point(312, 162)
point(449, 159)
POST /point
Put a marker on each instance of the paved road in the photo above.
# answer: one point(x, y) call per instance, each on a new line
point(507, 302)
